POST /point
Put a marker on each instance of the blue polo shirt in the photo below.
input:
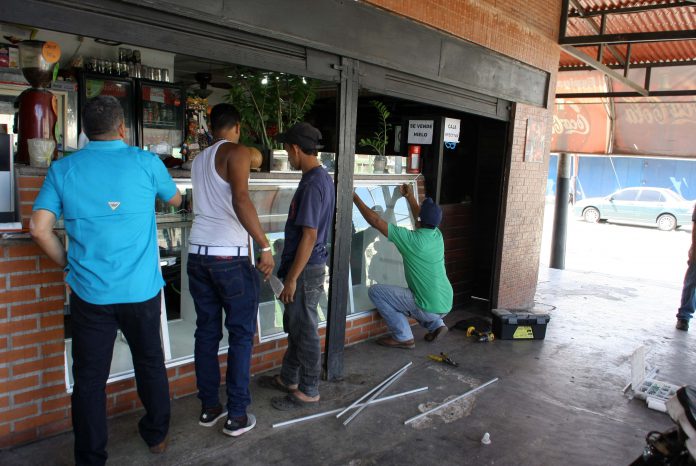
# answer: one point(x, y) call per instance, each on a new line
point(106, 195)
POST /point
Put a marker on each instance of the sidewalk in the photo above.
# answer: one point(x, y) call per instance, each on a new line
point(558, 401)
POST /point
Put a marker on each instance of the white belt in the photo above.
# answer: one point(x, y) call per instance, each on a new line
point(218, 250)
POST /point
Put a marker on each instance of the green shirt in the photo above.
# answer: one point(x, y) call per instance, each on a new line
point(423, 251)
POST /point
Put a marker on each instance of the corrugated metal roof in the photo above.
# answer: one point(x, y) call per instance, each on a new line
point(657, 20)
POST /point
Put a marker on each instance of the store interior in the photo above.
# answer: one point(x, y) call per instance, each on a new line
point(166, 112)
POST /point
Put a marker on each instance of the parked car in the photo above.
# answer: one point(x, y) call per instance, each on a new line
point(655, 206)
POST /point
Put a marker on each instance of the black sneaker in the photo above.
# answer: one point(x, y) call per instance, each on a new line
point(236, 426)
point(683, 324)
point(210, 416)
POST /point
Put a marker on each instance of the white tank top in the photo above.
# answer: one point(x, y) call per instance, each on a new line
point(215, 222)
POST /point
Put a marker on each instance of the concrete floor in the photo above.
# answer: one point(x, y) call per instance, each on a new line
point(558, 401)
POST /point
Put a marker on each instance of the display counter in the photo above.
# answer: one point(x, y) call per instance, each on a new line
point(373, 260)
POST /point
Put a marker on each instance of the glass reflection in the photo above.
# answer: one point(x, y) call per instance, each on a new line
point(272, 204)
point(373, 258)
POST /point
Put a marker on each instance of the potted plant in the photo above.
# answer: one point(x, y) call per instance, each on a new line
point(378, 141)
point(269, 103)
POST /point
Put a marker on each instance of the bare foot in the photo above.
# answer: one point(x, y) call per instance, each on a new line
point(280, 382)
point(302, 397)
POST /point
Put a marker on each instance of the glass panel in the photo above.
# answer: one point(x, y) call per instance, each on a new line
point(626, 195)
point(123, 91)
point(375, 260)
point(649, 195)
point(162, 118)
point(272, 203)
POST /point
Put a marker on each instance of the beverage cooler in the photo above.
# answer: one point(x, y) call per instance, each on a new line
point(160, 108)
point(94, 84)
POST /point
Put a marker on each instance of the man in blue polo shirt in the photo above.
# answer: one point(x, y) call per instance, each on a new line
point(106, 194)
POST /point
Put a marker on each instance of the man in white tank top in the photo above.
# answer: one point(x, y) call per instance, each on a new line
point(221, 275)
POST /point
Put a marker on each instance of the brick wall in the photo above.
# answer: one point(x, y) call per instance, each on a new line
point(526, 30)
point(32, 378)
point(34, 402)
point(458, 232)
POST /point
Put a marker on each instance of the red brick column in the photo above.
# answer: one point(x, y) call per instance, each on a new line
point(524, 216)
point(33, 398)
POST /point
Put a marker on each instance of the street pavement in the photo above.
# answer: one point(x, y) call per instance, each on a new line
point(626, 251)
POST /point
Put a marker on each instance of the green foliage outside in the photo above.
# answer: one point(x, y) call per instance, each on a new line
point(269, 102)
point(378, 143)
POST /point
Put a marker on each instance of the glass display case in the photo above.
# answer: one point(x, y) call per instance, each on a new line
point(160, 108)
point(373, 260)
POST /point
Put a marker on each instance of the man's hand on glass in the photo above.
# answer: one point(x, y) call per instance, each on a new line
point(406, 189)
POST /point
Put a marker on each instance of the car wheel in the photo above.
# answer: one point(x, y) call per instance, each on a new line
point(666, 222)
point(591, 215)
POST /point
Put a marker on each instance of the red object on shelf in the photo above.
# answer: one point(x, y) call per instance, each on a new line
point(36, 119)
point(413, 164)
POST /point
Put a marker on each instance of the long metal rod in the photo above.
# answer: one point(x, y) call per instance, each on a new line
point(631, 9)
point(470, 392)
point(379, 392)
point(580, 55)
point(625, 38)
point(373, 390)
point(334, 411)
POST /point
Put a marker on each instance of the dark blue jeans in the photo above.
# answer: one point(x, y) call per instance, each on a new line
point(232, 284)
point(302, 360)
point(94, 332)
point(686, 309)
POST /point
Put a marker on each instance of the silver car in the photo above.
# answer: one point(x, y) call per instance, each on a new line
point(655, 206)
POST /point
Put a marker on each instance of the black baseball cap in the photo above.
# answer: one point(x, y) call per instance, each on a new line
point(303, 134)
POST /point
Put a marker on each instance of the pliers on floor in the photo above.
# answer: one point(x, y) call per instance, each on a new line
point(443, 358)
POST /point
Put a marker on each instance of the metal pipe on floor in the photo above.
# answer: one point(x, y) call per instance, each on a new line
point(436, 408)
point(560, 218)
point(334, 411)
point(377, 393)
point(374, 389)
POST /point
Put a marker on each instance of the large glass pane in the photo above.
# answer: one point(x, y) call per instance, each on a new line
point(272, 202)
point(375, 260)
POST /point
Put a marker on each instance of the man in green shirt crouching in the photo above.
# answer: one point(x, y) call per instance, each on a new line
point(428, 297)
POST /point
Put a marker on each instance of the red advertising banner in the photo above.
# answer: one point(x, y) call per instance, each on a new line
point(642, 125)
point(659, 125)
point(579, 126)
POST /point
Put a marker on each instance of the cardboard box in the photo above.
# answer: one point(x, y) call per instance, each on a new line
point(9, 56)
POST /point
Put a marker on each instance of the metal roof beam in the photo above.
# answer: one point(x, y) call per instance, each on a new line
point(570, 50)
point(599, 30)
point(591, 95)
point(632, 9)
point(627, 38)
point(633, 65)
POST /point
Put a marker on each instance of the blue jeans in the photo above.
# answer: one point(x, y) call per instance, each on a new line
point(94, 329)
point(232, 284)
point(302, 360)
point(686, 309)
point(396, 304)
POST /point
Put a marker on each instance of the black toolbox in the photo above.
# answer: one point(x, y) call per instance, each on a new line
point(519, 324)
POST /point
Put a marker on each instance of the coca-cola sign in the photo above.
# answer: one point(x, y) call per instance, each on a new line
point(655, 128)
point(580, 126)
point(577, 125)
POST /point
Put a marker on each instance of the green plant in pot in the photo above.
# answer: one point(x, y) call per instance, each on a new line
point(378, 141)
point(269, 102)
